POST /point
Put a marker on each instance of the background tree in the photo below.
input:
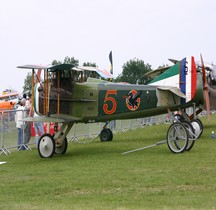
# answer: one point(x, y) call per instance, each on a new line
point(89, 64)
point(72, 60)
point(68, 60)
point(163, 66)
point(27, 83)
point(133, 72)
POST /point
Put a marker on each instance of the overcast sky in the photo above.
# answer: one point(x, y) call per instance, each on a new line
point(39, 31)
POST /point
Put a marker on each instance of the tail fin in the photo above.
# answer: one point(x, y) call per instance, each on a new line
point(182, 75)
point(187, 83)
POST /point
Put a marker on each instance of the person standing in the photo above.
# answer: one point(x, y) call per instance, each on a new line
point(20, 114)
point(28, 124)
point(39, 129)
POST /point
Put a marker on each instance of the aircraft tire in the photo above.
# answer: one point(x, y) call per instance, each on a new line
point(46, 146)
point(63, 148)
point(191, 134)
point(198, 127)
point(177, 137)
point(111, 135)
point(106, 135)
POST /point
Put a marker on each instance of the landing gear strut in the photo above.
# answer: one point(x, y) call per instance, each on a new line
point(49, 145)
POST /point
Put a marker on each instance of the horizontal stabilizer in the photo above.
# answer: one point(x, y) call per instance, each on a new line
point(173, 60)
point(157, 72)
point(174, 90)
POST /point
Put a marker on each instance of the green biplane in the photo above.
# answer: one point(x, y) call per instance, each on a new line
point(69, 94)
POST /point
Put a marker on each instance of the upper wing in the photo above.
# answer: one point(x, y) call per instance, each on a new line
point(64, 66)
point(102, 72)
point(32, 67)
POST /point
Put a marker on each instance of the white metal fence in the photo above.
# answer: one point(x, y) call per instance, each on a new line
point(80, 133)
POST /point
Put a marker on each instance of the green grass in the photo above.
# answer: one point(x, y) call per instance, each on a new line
point(98, 176)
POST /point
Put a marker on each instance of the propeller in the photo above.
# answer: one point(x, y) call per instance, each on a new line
point(205, 89)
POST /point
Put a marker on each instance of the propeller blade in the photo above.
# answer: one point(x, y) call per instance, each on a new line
point(205, 89)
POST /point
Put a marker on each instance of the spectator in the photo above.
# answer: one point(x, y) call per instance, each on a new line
point(20, 114)
point(39, 129)
point(24, 96)
point(28, 114)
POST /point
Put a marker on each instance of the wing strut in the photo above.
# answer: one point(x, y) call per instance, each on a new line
point(46, 89)
point(32, 96)
point(58, 105)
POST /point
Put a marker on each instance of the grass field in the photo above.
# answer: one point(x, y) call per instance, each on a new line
point(98, 176)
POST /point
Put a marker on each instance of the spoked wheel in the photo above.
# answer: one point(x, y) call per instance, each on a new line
point(179, 117)
point(46, 146)
point(106, 135)
point(61, 148)
point(198, 127)
point(191, 135)
point(177, 137)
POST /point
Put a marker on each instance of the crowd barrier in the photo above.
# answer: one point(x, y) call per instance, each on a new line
point(80, 133)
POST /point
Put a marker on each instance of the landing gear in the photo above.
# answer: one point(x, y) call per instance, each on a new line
point(46, 146)
point(198, 127)
point(183, 132)
point(49, 145)
point(177, 138)
point(106, 135)
point(61, 148)
point(191, 135)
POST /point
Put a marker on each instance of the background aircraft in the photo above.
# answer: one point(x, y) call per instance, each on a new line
point(211, 80)
point(9, 95)
point(8, 99)
point(69, 94)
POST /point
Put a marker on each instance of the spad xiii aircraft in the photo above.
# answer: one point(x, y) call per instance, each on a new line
point(70, 94)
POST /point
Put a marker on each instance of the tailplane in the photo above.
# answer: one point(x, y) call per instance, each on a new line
point(182, 75)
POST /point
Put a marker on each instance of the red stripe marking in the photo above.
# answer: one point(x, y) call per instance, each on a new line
point(193, 77)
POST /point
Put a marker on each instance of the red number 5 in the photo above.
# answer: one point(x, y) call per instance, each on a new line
point(107, 98)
